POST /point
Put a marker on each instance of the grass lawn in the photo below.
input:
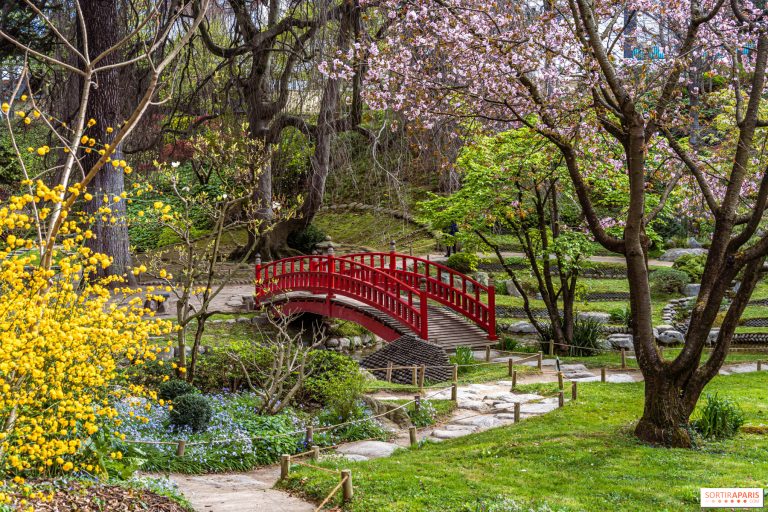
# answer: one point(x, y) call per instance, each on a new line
point(581, 457)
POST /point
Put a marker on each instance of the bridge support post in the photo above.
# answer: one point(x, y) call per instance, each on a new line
point(492, 311)
point(423, 311)
point(257, 276)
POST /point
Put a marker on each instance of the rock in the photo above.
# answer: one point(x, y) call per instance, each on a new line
point(664, 327)
point(736, 286)
point(603, 318)
point(673, 254)
point(511, 288)
point(693, 243)
point(230, 321)
point(485, 421)
point(450, 434)
point(691, 290)
point(482, 278)
point(369, 449)
point(712, 338)
point(332, 343)
point(671, 337)
point(619, 378)
point(538, 407)
point(619, 341)
point(522, 328)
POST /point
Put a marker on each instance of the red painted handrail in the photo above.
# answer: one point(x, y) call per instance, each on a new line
point(330, 275)
point(443, 284)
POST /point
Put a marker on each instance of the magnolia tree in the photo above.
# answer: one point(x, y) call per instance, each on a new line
point(623, 84)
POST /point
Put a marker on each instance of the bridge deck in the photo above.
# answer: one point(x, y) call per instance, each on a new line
point(446, 328)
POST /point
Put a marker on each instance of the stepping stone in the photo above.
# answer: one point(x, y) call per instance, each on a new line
point(573, 368)
point(457, 427)
point(591, 378)
point(480, 421)
point(473, 405)
point(544, 362)
point(740, 368)
point(368, 449)
point(450, 434)
point(578, 375)
point(619, 378)
point(538, 408)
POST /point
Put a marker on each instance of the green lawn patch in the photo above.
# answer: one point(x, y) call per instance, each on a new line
point(579, 458)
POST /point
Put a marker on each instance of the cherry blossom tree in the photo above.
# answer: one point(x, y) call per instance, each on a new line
point(624, 89)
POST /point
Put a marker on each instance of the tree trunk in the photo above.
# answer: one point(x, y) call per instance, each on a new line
point(667, 409)
point(101, 18)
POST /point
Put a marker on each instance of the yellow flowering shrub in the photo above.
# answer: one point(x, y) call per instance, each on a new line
point(65, 336)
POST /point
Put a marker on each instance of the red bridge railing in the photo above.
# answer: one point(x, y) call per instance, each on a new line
point(442, 284)
point(330, 275)
point(397, 284)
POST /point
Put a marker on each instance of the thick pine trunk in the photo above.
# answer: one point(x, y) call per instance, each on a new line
point(103, 28)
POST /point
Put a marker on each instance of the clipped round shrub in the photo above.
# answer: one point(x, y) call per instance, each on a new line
point(171, 389)
point(192, 411)
point(334, 381)
point(305, 240)
point(464, 262)
point(691, 264)
point(668, 280)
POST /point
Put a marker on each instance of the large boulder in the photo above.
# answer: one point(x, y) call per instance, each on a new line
point(664, 327)
point(482, 278)
point(522, 328)
point(671, 337)
point(511, 288)
point(674, 254)
point(712, 338)
point(693, 243)
point(597, 316)
point(691, 290)
point(619, 341)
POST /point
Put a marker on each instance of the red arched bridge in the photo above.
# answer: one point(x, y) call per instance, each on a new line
point(390, 294)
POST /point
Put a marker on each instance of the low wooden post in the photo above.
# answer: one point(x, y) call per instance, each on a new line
point(421, 377)
point(455, 372)
point(510, 370)
point(560, 399)
point(389, 371)
point(602, 374)
point(346, 487)
point(315, 452)
point(560, 380)
point(180, 448)
point(517, 412)
point(487, 353)
point(285, 466)
point(514, 379)
point(412, 435)
point(759, 366)
point(538, 360)
point(309, 436)
point(574, 390)
point(623, 359)
point(415, 375)
point(417, 403)
point(551, 347)
point(454, 392)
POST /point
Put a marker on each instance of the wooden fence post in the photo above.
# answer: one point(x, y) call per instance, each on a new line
point(560, 399)
point(455, 372)
point(517, 412)
point(309, 437)
point(180, 448)
point(417, 403)
point(538, 360)
point(412, 435)
point(623, 359)
point(487, 353)
point(560, 380)
point(454, 392)
point(602, 374)
point(285, 466)
point(389, 371)
point(551, 347)
point(574, 390)
point(415, 375)
point(316, 452)
point(509, 367)
point(346, 487)
point(514, 380)
point(759, 366)
point(421, 377)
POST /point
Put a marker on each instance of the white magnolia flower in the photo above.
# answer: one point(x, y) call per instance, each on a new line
point(175, 164)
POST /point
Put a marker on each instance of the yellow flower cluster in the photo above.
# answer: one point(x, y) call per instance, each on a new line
point(64, 337)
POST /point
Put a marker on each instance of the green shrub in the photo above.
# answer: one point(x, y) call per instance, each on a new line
point(334, 381)
point(425, 416)
point(720, 418)
point(463, 356)
point(586, 337)
point(507, 343)
point(217, 370)
point(191, 411)
point(464, 262)
point(622, 316)
point(305, 240)
point(691, 264)
point(173, 388)
point(668, 280)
